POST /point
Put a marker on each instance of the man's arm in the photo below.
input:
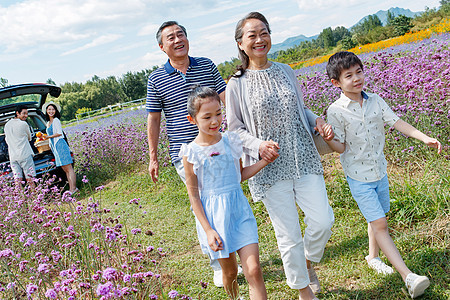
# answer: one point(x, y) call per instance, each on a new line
point(222, 97)
point(411, 131)
point(153, 126)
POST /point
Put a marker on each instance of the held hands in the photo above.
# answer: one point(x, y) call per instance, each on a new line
point(214, 240)
point(433, 143)
point(268, 150)
point(325, 129)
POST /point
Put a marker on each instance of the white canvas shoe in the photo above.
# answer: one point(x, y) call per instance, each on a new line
point(379, 266)
point(416, 284)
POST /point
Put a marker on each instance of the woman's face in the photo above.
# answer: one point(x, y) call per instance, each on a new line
point(51, 111)
point(256, 41)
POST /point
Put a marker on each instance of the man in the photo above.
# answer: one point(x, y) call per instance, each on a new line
point(167, 90)
point(18, 137)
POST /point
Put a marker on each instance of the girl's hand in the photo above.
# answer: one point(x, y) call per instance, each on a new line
point(268, 150)
point(214, 240)
point(433, 143)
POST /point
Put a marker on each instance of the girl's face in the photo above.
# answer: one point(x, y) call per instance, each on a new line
point(256, 41)
point(209, 117)
point(51, 111)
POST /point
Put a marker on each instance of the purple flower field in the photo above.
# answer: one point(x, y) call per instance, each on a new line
point(54, 247)
point(107, 146)
point(414, 79)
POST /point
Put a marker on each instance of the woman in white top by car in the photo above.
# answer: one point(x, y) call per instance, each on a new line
point(58, 144)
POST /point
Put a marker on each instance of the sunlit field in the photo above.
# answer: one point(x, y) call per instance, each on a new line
point(115, 241)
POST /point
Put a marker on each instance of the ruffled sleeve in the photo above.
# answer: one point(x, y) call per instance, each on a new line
point(191, 156)
point(236, 144)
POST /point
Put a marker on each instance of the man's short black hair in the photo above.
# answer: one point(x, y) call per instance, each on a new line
point(167, 24)
point(341, 61)
point(19, 109)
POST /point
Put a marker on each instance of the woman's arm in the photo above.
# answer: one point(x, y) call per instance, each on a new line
point(57, 129)
point(214, 240)
point(253, 146)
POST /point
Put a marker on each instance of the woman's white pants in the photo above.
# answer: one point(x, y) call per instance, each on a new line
point(310, 194)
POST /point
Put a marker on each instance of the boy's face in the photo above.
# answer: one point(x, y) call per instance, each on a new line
point(351, 82)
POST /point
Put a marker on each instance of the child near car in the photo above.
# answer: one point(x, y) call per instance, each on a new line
point(358, 119)
point(225, 222)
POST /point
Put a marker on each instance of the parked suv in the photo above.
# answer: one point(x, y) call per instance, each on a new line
point(33, 96)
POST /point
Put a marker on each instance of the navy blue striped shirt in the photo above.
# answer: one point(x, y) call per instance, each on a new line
point(168, 89)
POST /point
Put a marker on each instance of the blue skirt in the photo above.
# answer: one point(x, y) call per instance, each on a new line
point(62, 153)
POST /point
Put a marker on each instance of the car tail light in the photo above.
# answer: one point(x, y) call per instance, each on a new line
point(52, 160)
point(5, 173)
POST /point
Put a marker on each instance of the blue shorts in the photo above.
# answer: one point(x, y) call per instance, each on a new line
point(372, 197)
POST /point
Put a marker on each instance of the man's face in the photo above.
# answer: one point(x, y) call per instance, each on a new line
point(174, 42)
point(23, 115)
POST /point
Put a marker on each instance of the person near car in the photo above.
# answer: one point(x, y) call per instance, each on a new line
point(167, 90)
point(58, 144)
point(18, 137)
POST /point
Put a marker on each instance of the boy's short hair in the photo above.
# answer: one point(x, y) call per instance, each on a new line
point(341, 61)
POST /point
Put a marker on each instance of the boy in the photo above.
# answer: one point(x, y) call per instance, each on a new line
point(358, 120)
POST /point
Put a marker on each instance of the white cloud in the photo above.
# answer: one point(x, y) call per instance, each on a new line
point(326, 4)
point(96, 42)
point(36, 22)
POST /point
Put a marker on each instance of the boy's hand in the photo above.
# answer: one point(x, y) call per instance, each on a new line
point(325, 130)
point(433, 143)
point(214, 240)
point(268, 150)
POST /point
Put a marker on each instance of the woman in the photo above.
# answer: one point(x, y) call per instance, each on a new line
point(58, 144)
point(265, 107)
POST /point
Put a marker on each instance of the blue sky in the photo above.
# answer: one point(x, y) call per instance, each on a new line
point(73, 40)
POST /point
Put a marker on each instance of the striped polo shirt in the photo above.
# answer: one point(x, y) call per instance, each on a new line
point(168, 89)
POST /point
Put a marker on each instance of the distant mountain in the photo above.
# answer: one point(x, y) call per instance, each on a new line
point(291, 42)
point(296, 40)
point(396, 11)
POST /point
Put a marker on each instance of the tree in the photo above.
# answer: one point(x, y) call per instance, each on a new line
point(50, 81)
point(402, 24)
point(347, 43)
point(4, 82)
point(390, 18)
point(325, 38)
point(445, 7)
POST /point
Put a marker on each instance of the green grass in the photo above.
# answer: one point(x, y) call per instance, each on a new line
point(419, 226)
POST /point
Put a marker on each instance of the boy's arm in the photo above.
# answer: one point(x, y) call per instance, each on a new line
point(333, 143)
point(411, 131)
point(251, 170)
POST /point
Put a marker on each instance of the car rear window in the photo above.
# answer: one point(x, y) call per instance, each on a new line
point(19, 99)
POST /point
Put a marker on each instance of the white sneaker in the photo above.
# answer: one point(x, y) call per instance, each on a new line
point(218, 280)
point(379, 266)
point(416, 284)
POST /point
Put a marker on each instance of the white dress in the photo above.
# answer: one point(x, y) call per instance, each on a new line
point(226, 208)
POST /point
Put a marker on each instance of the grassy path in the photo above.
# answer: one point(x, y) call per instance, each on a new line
point(165, 211)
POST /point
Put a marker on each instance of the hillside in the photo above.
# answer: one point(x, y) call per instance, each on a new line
point(296, 40)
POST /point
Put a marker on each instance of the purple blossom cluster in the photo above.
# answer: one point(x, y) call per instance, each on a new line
point(414, 79)
point(55, 247)
point(115, 144)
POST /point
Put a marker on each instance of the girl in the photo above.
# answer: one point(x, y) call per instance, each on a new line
point(225, 222)
point(58, 144)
